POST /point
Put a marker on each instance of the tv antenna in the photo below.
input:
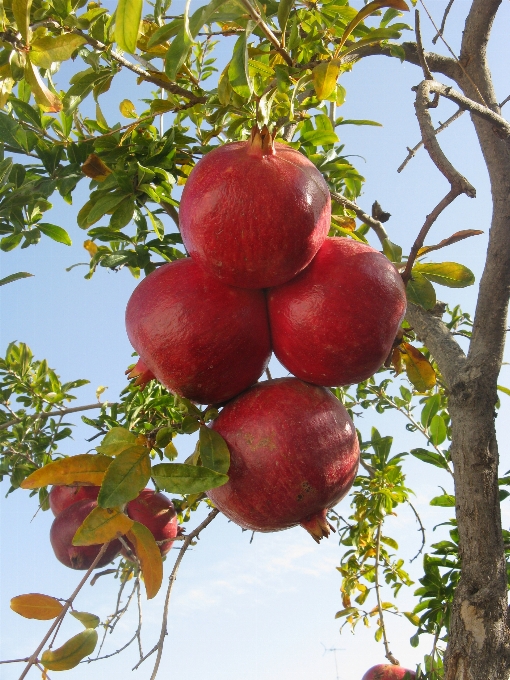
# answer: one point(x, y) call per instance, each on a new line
point(334, 650)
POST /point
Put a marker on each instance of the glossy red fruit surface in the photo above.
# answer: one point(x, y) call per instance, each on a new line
point(335, 323)
point(156, 512)
point(386, 671)
point(62, 532)
point(294, 454)
point(61, 497)
point(201, 339)
point(254, 214)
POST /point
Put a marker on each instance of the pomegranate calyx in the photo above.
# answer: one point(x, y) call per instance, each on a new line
point(142, 374)
point(318, 526)
point(261, 143)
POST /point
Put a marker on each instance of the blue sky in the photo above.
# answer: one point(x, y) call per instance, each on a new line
point(261, 611)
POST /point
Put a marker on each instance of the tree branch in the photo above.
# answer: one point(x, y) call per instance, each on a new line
point(364, 217)
point(439, 34)
point(50, 414)
point(254, 13)
point(421, 54)
point(388, 654)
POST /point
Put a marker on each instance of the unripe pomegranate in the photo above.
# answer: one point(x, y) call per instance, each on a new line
point(254, 213)
point(294, 454)
point(61, 497)
point(201, 339)
point(62, 533)
point(156, 512)
point(387, 671)
point(335, 323)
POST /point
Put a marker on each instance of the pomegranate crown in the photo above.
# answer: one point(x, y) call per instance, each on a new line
point(261, 142)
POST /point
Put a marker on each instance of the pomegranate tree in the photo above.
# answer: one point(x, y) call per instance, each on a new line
point(157, 513)
point(294, 454)
point(61, 497)
point(202, 339)
point(335, 323)
point(62, 533)
point(254, 213)
point(387, 671)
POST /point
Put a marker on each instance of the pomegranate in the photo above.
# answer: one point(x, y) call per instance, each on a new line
point(62, 533)
point(141, 373)
point(254, 213)
point(387, 671)
point(294, 454)
point(61, 497)
point(335, 323)
point(156, 512)
point(201, 339)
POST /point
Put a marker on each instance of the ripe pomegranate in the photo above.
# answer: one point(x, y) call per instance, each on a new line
point(254, 213)
point(62, 533)
point(335, 323)
point(294, 454)
point(156, 512)
point(141, 373)
point(203, 340)
point(61, 497)
point(387, 671)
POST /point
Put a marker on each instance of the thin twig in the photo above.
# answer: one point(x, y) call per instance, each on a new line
point(439, 34)
point(421, 54)
point(422, 529)
point(364, 217)
point(50, 414)
point(16, 660)
point(139, 628)
point(254, 13)
point(389, 655)
point(172, 211)
point(443, 126)
point(187, 542)
point(507, 99)
point(33, 659)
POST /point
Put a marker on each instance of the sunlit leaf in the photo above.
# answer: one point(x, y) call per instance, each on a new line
point(284, 10)
point(127, 108)
point(102, 525)
point(366, 11)
point(45, 99)
point(48, 50)
point(224, 87)
point(345, 612)
point(182, 478)
point(454, 238)
point(437, 430)
point(21, 11)
point(238, 73)
point(505, 390)
point(446, 500)
point(430, 457)
point(56, 233)
point(14, 277)
point(149, 555)
point(396, 360)
point(88, 620)
point(450, 274)
point(214, 450)
point(95, 168)
point(90, 247)
point(127, 24)
point(418, 368)
point(85, 469)
point(324, 77)
point(71, 653)
point(420, 291)
point(126, 477)
point(36, 606)
point(116, 441)
point(392, 251)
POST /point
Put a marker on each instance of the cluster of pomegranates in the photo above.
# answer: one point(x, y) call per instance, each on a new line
point(72, 504)
point(262, 276)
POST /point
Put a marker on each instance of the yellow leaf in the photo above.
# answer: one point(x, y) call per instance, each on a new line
point(36, 606)
point(71, 653)
point(418, 369)
point(90, 247)
point(88, 620)
point(44, 98)
point(95, 168)
point(396, 360)
point(348, 223)
point(149, 555)
point(100, 391)
point(102, 525)
point(127, 108)
point(458, 236)
point(50, 49)
point(324, 78)
point(85, 469)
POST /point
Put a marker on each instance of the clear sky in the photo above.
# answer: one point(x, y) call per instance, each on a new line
point(263, 611)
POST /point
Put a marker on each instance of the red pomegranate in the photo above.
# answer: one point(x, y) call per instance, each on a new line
point(62, 533)
point(294, 454)
point(386, 671)
point(141, 373)
point(335, 323)
point(203, 340)
point(156, 512)
point(254, 213)
point(61, 497)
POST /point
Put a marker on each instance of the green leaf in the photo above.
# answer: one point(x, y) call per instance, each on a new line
point(46, 51)
point(430, 457)
point(355, 121)
point(420, 291)
point(505, 390)
point(157, 225)
point(437, 429)
point(345, 612)
point(224, 87)
point(127, 108)
point(412, 618)
point(21, 11)
point(56, 233)
point(448, 274)
point(126, 477)
point(284, 10)
point(430, 409)
point(127, 24)
point(88, 620)
point(238, 73)
point(182, 478)
point(116, 441)
point(102, 206)
point(71, 653)
point(446, 500)
point(392, 251)
point(214, 450)
point(14, 277)
point(390, 541)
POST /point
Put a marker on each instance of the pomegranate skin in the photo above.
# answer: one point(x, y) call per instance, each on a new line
point(335, 323)
point(254, 217)
point(201, 339)
point(294, 454)
point(386, 671)
point(156, 512)
point(62, 533)
point(61, 497)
